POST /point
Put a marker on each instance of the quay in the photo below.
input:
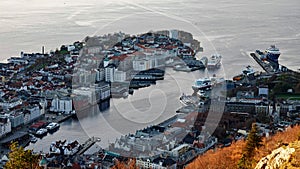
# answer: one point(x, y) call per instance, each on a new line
point(59, 118)
point(88, 144)
point(270, 67)
point(266, 67)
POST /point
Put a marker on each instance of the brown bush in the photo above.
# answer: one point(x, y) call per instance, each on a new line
point(228, 157)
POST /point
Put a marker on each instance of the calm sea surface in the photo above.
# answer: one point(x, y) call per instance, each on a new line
point(231, 28)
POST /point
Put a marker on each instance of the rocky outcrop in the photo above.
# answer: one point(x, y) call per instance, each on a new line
point(276, 159)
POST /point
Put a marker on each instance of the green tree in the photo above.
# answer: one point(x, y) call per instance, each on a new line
point(20, 158)
point(244, 163)
point(253, 142)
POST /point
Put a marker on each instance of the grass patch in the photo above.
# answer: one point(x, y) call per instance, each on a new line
point(288, 96)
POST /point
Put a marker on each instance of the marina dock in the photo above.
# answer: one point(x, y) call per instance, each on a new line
point(267, 67)
point(88, 144)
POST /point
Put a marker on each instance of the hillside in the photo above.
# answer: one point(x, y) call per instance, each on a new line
point(228, 157)
point(287, 157)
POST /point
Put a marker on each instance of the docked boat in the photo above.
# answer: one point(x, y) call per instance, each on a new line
point(52, 126)
point(202, 84)
point(271, 54)
point(248, 71)
point(188, 100)
point(183, 68)
point(146, 77)
point(33, 139)
point(214, 61)
point(201, 94)
point(41, 132)
point(36, 126)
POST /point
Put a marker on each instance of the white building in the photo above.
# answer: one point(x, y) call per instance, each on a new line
point(148, 164)
point(109, 74)
point(119, 76)
point(5, 125)
point(141, 64)
point(158, 164)
point(90, 92)
point(94, 50)
point(16, 119)
point(71, 48)
point(85, 77)
point(31, 113)
point(100, 75)
point(178, 151)
point(173, 34)
point(63, 105)
point(43, 104)
point(103, 90)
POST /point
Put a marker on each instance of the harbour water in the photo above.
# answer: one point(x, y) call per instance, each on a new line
point(228, 27)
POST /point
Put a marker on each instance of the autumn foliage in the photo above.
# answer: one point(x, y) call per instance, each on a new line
point(125, 165)
point(228, 157)
point(20, 158)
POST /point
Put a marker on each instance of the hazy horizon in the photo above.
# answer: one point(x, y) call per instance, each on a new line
point(232, 28)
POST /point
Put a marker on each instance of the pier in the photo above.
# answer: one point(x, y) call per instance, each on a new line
point(88, 144)
point(267, 67)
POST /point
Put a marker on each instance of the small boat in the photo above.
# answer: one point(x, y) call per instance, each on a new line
point(188, 100)
point(33, 139)
point(201, 93)
point(238, 77)
point(214, 61)
point(248, 71)
point(52, 126)
point(183, 68)
point(202, 84)
point(41, 132)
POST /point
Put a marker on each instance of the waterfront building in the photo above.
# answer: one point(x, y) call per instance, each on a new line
point(157, 163)
point(90, 92)
point(103, 90)
point(119, 76)
point(62, 105)
point(32, 113)
point(141, 64)
point(16, 118)
point(100, 74)
point(17, 60)
point(174, 34)
point(178, 151)
point(109, 73)
point(5, 125)
point(85, 77)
